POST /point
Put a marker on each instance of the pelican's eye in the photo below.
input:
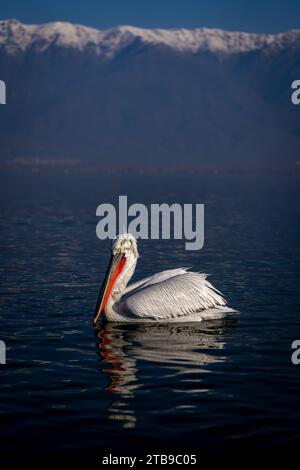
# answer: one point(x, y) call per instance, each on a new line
point(117, 250)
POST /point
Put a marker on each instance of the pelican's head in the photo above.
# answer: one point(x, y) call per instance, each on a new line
point(125, 243)
point(124, 255)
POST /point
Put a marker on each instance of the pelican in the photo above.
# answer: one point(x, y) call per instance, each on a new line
point(175, 295)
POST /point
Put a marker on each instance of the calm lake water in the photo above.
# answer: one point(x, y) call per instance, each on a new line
point(214, 388)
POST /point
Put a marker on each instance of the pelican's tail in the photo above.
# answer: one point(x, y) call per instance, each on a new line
point(217, 312)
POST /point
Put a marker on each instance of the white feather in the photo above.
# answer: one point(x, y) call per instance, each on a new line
point(171, 294)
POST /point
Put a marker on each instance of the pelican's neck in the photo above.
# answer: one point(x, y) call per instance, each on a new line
point(119, 287)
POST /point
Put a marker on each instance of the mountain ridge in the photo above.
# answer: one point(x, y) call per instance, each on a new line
point(107, 42)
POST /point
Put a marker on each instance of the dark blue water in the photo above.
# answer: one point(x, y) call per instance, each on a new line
point(224, 386)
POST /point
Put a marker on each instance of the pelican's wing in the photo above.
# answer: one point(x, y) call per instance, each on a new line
point(176, 296)
point(154, 279)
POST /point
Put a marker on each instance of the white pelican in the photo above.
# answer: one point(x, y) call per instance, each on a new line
point(175, 295)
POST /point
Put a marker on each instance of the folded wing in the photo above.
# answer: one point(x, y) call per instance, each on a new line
point(171, 294)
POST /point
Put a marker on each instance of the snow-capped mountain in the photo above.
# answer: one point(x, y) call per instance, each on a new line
point(128, 95)
point(15, 36)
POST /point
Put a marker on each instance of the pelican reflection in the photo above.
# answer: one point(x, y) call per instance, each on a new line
point(175, 348)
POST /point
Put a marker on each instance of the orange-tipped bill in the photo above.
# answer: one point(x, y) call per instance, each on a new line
point(116, 265)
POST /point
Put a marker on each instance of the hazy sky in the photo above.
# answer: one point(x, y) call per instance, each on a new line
point(245, 15)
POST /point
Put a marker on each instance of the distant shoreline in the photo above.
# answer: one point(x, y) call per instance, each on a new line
point(73, 167)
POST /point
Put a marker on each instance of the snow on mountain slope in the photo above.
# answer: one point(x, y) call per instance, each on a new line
point(16, 36)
